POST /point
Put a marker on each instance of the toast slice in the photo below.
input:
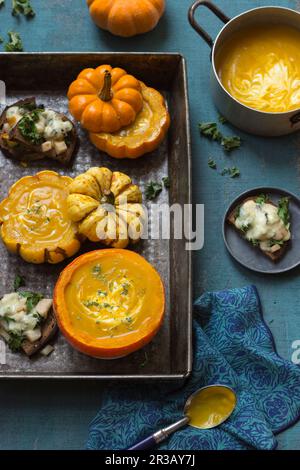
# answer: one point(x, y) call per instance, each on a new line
point(49, 328)
point(16, 146)
point(232, 216)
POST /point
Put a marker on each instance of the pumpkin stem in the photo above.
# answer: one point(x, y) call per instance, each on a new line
point(106, 94)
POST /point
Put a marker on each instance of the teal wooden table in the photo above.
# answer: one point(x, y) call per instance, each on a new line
point(56, 415)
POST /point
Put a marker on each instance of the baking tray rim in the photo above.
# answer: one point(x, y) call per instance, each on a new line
point(150, 377)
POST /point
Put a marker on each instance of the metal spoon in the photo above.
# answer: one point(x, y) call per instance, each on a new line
point(164, 433)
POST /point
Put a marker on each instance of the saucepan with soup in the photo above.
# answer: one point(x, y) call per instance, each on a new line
point(255, 74)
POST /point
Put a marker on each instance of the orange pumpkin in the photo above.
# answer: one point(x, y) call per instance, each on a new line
point(126, 17)
point(144, 135)
point(105, 99)
point(109, 303)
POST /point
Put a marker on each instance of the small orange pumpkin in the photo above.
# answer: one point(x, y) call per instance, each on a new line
point(126, 17)
point(109, 303)
point(105, 99)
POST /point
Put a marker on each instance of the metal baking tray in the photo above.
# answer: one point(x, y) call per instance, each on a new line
point(47, 76)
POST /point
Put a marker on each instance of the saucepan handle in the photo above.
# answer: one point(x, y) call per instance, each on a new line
point(212, 7)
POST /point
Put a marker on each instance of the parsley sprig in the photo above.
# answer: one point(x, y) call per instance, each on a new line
point(212, 132)
point(22, 7)
point(14, 43)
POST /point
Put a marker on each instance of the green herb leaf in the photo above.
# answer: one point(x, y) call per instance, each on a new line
point(166, 182)
point(153, 189)
point(22, 7)
point(32, 299)
point(145, 360)
point(14, 43)
point(261, 199)
point(233, 172)
point(212, 164)
point(1, 40)
point(222, 119)
point(15, 341)
point(28, 129)
point(283, 210)
point(125, 288)
point(210, 130)
point(18, 282)
point(273, 242)
point(254, 242)
point(245, 228)
point(230, 143)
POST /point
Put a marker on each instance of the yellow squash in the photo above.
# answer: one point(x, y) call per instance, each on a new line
point(107, 207)
point(34, 219)
point(144, 135)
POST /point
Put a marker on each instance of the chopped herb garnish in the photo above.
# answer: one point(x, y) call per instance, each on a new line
point(283, 210)
point(15, 341)
point(18, 282)
point(233, 172)
point(145, 360)
point(212, 164)
point(222, 119)
point(28, 129)
point(231, 143)
point(97, 269)
point(245, 227)
point(254, 242)
point(166, 182)
point(1, 40)
point(22, 7)
point(153, 189)
point(237, 212)
point(97, 272)
point(8, 319)
point(39, 318)
point(102, 293)
point(273, 242)
point(261, 199)
point(32, 299)
point(125, 288)
point(14, 43)
point(210, 130)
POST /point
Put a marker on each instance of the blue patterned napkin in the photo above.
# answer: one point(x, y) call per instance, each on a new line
point(232, 346)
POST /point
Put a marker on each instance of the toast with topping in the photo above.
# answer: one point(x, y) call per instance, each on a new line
point(263, 224)
point(31, 132)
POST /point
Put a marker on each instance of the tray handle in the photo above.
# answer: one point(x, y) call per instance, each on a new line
point(212, 7)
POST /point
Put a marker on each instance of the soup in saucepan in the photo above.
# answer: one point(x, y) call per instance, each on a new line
point(260, 67)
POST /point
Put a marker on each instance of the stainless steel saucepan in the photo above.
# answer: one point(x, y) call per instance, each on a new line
point(242, 116)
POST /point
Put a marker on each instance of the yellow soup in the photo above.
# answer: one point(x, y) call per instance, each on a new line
point(108, 300)
point(260, 67)
point(210, 407)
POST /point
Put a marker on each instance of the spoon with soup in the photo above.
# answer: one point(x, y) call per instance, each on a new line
point(207, 408)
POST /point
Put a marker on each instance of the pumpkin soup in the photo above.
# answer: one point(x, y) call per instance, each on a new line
point(34, 220)
point(109, 302)
point(260, 67)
